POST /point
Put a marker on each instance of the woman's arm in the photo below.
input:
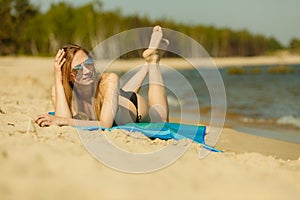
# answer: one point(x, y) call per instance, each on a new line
point(111, 100)
point(48, 120)
point(60, 104)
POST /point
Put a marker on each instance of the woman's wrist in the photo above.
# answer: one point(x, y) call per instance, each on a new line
point(57, 72)
point(58, 79)
point(58, 83)
point(62, 121)
point(69, 121)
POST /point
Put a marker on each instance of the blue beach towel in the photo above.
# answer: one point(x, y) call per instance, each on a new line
point(163, 131)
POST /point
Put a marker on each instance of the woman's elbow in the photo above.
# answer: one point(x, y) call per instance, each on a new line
point(105, 124)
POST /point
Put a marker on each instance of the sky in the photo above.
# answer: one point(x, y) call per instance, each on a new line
point(276, 18)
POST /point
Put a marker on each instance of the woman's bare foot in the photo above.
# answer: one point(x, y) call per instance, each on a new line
point(154, 41)
point(157, 46)
point(164, 43)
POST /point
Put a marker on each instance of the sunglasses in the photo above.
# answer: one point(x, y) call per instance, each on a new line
point(78, 69)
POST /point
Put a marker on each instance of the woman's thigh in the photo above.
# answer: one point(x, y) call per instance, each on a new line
point(127, 111)
point(143, 108)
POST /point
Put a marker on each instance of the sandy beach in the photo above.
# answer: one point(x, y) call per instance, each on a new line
point(52, 163)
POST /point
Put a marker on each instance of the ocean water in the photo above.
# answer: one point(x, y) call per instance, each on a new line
point(259, 101)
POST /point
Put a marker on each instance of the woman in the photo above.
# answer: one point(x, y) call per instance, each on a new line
point(80, 99)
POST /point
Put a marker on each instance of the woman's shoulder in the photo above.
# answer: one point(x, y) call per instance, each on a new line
point(108, 76)
point(107, 80)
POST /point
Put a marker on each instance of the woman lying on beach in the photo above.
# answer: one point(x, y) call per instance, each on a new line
point(81, 100)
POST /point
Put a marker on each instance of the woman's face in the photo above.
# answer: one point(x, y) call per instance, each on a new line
point(82, 69)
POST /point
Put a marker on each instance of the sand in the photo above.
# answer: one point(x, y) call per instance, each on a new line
point(52, 163)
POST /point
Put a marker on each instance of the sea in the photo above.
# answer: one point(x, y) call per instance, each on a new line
point(259, 100)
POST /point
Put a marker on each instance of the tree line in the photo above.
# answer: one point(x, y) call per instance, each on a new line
point(24, 29)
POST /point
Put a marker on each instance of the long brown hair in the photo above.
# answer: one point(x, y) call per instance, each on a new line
point(68, 84)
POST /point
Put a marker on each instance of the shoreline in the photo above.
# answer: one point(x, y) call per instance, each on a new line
point(232, 140)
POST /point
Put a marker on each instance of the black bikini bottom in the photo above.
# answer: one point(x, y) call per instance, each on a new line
point(131, 96)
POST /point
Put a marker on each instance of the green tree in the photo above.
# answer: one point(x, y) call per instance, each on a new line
point(294, 43)
point(15, 14)
point(6, 28)
point(23, 12)
point(273, 44)
point(23, 29)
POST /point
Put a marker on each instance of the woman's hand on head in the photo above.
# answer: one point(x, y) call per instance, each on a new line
point(59, 61)
point(48, 120)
